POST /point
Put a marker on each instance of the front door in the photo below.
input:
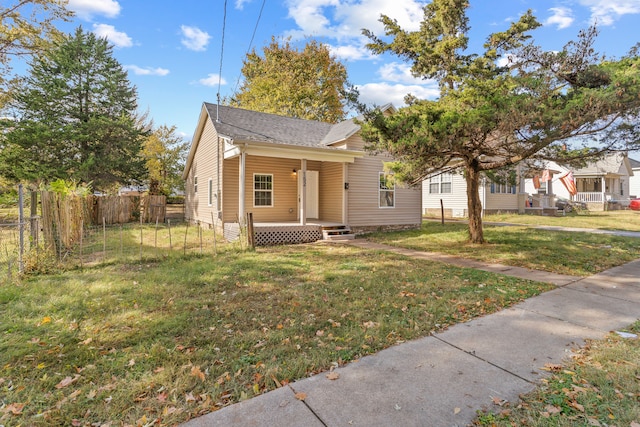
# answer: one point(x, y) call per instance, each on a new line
point(313, 203)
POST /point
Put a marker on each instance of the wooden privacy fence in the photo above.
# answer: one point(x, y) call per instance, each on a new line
point(124, 209)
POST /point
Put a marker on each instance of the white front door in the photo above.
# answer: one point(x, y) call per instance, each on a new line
point(312, 196)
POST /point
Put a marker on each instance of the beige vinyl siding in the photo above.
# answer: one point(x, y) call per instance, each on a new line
point(203, 166)
point(363, 194)
point(230, 193)
point(498, 202)
point(331, 192)
point(285, 188)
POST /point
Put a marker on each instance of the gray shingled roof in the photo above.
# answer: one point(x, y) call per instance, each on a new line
point(611, 163)
point(634, 163)
point(247, 125)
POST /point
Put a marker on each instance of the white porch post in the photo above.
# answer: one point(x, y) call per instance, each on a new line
point(303, 193)
point(603, 184)
point(241, 186)
point(345, 192)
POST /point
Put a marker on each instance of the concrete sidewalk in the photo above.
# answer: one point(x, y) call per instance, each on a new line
point(442, 380)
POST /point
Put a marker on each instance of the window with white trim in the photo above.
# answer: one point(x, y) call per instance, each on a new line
point(262, 190)
point(387, 190)
point(503, 188)
point(440, 183)
point(210, 192)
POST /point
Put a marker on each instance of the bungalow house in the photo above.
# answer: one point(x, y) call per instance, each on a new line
point(604, 180)
point(597, 183)
point(301, 180)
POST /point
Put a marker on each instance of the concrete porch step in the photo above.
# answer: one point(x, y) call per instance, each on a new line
point(337, 232)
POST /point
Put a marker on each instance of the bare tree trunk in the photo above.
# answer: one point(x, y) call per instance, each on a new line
point(474, 204)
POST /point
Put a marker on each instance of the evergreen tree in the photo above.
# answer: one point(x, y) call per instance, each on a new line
point(512, 102)
point(76, 118)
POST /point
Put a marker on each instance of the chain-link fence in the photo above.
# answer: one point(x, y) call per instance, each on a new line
point(18, 235)
point(33, 242)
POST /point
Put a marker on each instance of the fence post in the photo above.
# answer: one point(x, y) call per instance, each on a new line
point(21, 228)
point(215, 243)
point(250, 236)
point(186, 229)
point(34, 219)
point(104, 240)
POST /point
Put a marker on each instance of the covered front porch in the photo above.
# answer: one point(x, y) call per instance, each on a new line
point(293, 193)
point(596, 191)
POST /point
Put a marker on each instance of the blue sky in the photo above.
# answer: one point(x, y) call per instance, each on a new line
point(172, 49)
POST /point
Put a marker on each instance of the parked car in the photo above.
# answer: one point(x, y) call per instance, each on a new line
point(570, 205)
point(634, 205)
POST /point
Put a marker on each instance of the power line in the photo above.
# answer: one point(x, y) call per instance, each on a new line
point(224, 25)
point(255, 28)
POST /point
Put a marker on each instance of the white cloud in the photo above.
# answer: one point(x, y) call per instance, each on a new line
point(606, 12)
point(345, 19)
point(212, 80)
point(562, 17)
point(118, 38)
point(86, 9)
point(382, 93)
point(350, 52)
point(399, 72)
point(140, 71)
point(240, 3)
point(193, 38)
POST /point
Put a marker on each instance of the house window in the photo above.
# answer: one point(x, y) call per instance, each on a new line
point(262, 190)
point(440, 183)
point(387, 191)
point(195, 184)
point(210, 192)
point(506, 188)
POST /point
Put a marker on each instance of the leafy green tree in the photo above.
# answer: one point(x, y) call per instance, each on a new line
point(26, 28)
point(75, 118)
point(511, 102)
point(165, 154)
point(307, 84)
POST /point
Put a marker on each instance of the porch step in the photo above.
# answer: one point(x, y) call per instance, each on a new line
point(337, 232)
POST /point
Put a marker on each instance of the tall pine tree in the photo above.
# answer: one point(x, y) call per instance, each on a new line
point(76, 118)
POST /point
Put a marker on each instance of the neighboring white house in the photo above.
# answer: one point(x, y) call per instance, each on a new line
point(634, 180)
point(609, 179)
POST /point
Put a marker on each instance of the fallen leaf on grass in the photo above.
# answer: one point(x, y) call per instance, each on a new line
point(14, 408)
point(158, 370)
point(67, 381)
point(332, 375)
point(552, 367)
point(45, 320)
point(552, 409)
point(131, 362)
point(87, 341)
point(370, 324)
point(498, 401)
point(301, 396)
point(91, 395)
point(196, 372)
point(577, 406)
point(189, 397)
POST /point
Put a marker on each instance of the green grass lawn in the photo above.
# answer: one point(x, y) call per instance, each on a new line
point(573, 253)
point(159, 342)
point(600, 386)
point(613, 220)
